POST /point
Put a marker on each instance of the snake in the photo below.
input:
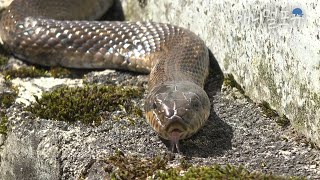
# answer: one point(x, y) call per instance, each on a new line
point(68, 34)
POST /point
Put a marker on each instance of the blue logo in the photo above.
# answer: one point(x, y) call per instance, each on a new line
point(297, 12)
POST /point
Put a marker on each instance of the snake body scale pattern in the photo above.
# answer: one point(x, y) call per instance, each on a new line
point(63, 33)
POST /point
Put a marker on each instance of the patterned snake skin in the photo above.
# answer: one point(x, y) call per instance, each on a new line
point(54, 32)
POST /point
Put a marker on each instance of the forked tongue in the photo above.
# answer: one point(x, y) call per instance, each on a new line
point(174, 139)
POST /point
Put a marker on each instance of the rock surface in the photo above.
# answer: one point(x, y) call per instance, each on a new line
point(237, 133)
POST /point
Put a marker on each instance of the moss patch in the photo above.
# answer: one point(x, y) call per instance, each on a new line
point(7, 98)
point(133, 167)
point(59, 72)
point(230, 81)
point(3, 56)
point(3, 123)
point(267, 110)
point(30, 71)
point(282, 120)
point(34, 72)
point(86, 104)
point(3, 60)
point(143, 3)
point(23, 72)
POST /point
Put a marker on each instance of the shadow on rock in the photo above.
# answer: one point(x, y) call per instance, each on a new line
point(215, 78)
point(114, 13)
point(212, 140)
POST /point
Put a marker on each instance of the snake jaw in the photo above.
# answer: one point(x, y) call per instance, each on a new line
point(175, 128)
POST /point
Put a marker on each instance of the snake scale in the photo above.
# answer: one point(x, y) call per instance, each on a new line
point(64, 33)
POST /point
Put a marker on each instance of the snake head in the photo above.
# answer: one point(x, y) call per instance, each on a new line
point(177, 110)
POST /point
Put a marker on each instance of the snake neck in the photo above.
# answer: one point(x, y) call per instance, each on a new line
point(177, 65)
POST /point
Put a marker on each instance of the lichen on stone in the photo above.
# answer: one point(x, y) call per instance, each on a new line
point(226, 61)
point(88, 104)
point(266, 77)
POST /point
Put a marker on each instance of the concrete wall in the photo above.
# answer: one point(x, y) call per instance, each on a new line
point(272, 53)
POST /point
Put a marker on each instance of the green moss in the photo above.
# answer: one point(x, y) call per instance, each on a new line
point(133, 167)
point(86, 104)
point(3, 56)
point(143, 3)
point(3, 123)
point(7, 98)
point(23, 72)
point(3, 60)
point(317, 67)
point(230, 81)
point(59, 72)
point(237, 38)
point(218, 172)
point(120, 166)
point(283, 121)
point(34, 72)
point(267, 110)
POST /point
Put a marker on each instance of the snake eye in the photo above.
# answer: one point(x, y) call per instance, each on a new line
point(195, 104)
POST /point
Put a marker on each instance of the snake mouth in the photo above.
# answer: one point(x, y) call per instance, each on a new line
point(175, 128)
point(175, 125)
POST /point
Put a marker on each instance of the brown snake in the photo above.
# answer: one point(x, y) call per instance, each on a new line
point(57, 32)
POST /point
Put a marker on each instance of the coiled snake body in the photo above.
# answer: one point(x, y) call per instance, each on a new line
point(58, 32)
